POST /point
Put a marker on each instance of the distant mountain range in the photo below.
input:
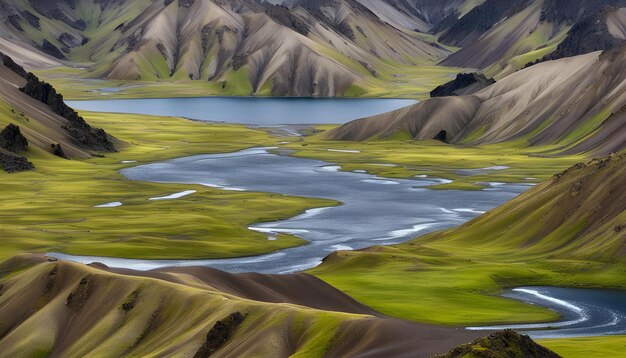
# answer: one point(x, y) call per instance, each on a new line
point(300, 47)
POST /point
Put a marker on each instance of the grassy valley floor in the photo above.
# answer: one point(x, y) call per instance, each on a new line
point(468, 168)
point(52, 209)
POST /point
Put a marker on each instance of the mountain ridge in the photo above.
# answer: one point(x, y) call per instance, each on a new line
point(573, 104)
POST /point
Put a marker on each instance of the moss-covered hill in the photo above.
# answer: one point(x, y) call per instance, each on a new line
point(568, 231)
point(60, 309)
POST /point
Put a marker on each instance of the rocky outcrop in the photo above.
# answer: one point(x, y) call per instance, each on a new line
point(220, 334)
point(505, 344)
point(12, 163)
point(283, 16)
point(58, 151)
point(11, 139)
point(587, 35)
point(87, 137)
point(12, 143)
point(11, 65)
point(52, 50)
point(464, 84)
point(442, 136)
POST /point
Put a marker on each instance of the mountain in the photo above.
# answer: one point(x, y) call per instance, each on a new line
point(34, 119)
point(574, 104)
point(62, 309)
point(577, 214)
point(318, 48)
point(500, 37)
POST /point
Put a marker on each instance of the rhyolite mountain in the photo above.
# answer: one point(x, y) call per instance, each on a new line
point(312, 48)
point(502, 36)
point(576, 105)
point(300, 47)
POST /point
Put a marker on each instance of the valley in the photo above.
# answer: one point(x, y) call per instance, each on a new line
point(327, 178)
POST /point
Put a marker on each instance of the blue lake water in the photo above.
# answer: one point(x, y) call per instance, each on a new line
point(250, 110)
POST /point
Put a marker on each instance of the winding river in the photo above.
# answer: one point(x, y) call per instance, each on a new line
point(584, 312)
point(374, 210)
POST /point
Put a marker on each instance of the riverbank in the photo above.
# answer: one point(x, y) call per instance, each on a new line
point(54, 207)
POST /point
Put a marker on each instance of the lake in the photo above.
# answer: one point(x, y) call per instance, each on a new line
point(250, 110)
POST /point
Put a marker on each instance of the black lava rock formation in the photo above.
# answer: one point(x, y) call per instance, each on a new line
point(87, 137)
point(219, 335)
point(58, 151)
point(505, 344)
point(461, 85)
point(12, 140)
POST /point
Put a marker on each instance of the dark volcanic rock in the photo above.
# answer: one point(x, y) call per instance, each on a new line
point(85, 136)
point(52, 50)
point(283, 16)
point(505, 344)
point(14, 20)
point(12, 163)
point(11, 139)
point(8, 62)
point(219, 335)
point(590, 34)
point(32, 19)
point(58, 151)
point(570, 11)
point(442, 136)
point(463, 84)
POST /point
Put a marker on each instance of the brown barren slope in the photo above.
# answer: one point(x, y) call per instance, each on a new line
point(61, 309)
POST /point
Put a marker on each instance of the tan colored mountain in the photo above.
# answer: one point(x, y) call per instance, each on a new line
point(574, 104)
point(319, 47)
point(502, 36)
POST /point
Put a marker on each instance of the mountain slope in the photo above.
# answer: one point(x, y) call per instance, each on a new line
point(574, 104)
point(318, 48)
point(61, 309)
point(47, 124)
point(565, 232)
point(501, 37)
point(577, 214)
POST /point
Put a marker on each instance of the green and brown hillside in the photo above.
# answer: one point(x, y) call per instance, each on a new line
point(60, 309)
point(567, 231)
point(312, 48)
point(34, 122)
point(572, 105)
